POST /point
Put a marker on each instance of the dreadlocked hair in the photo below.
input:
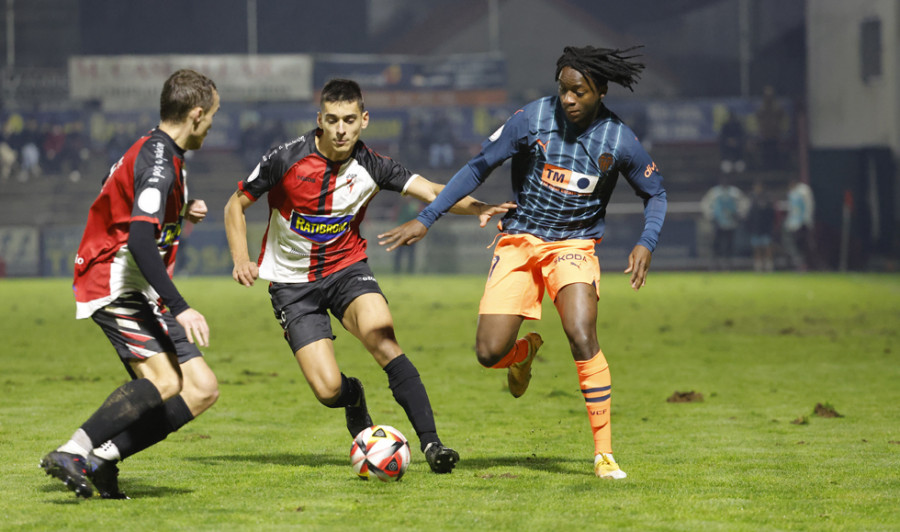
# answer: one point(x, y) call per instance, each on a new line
point(602, 65)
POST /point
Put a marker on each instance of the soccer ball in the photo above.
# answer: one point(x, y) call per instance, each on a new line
point(380, 451)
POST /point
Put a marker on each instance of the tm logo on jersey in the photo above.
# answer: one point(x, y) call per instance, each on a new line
point(319, 229)
point(567, 181)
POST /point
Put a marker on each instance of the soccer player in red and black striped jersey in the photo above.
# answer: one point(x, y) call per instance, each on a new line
point(567, 153)
point(318, 187)
point(123, 282)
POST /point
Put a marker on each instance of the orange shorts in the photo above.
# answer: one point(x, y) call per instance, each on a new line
point(524, 265)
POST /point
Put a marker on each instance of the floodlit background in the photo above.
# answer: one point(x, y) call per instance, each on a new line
point(81, 80)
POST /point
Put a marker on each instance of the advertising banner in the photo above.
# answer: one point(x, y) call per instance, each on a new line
point(126, 81)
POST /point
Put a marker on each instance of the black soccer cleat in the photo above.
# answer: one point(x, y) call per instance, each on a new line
point(105, 476)
point(71, 469)
point(358, 418)
point(441, 459)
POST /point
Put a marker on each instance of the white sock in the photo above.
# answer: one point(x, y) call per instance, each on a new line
point(108, 451)
point(79, 444)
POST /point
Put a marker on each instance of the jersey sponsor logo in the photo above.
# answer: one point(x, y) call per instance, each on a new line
point(605, 162)
point(573, 258)
point(169, 235)
point(650, 169)
point(319, 229)
point(568, 181)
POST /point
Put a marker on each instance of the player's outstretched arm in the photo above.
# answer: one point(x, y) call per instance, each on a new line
point(638, 265)
point(404, 235)
point(245, 270)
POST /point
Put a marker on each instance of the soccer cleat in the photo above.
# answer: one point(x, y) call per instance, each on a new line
point(441, 459)
point(105, 476)
point(358, 418)
point(605, 466)
point(519, 374)
point(71, 469)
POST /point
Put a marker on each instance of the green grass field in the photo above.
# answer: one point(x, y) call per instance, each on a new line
point(762, 350)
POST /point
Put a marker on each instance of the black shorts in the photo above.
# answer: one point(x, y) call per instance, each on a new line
point(302, 308)
point(138, 328)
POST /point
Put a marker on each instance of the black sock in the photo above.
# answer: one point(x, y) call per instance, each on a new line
point(122, 408)
point(349, 395)
point(409, 392)
point(153, 427)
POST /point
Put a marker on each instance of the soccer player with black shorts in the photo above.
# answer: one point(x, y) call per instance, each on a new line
point(123, 282)
point(318, 186)
point(567, 153)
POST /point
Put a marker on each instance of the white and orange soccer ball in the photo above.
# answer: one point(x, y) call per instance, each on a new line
point(380, 451)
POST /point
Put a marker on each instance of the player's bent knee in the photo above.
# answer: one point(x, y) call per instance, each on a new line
point(168, 386)
point(486, 357)
point(200, 397)
point(327, 395)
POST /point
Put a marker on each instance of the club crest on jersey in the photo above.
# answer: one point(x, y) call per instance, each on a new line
point(568, 181)
point(319, 229)
point(605, 162)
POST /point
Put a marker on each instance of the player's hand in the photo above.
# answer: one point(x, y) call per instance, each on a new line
point(194, 326)
point(197, 210)
point(404, 235)
point(488, 210)
point(245, 272)
point(638, 264)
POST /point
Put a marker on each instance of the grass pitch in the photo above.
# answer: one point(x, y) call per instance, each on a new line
point(762, 351)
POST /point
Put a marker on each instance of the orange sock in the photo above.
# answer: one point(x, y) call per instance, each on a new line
point(593, 376)
point(518, 353)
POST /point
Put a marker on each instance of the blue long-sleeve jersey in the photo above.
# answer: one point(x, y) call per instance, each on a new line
point(562, 179)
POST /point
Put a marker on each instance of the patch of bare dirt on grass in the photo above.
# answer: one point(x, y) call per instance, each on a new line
point(685, 397)
point(825, 410)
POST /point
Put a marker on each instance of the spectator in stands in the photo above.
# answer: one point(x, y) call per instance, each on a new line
point(8, 154)
point(771, 120)
point(30, 151)
point(118, 143)
point(724, 205)
point(732, 142)
point(274, 133)
point(406, 210)
point(54, 144)
point(442, 143)
point(75, 151)
point(252, 139)
point(412, 142)
point(761, 226)
point(798, 224)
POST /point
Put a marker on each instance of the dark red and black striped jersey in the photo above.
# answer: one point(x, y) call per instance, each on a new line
point(316, 206)
point(147, 184)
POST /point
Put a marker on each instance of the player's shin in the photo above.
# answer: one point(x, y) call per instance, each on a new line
point(594, 379)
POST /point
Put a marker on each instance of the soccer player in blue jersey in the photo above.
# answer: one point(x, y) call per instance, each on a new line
point(567, 153)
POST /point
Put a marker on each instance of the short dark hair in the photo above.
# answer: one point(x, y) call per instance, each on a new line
point(184, 90)
point(343, 90)
point(602, 65)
